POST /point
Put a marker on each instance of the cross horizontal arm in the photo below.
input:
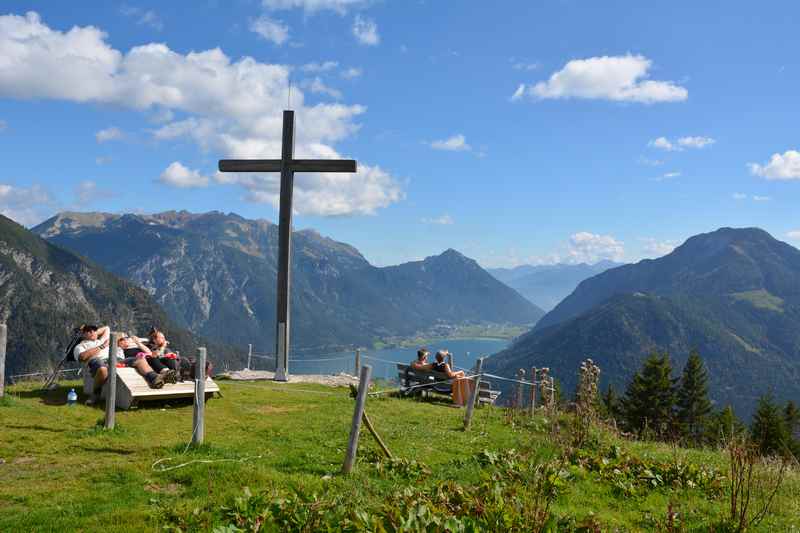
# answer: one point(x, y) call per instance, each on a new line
point(298, 165)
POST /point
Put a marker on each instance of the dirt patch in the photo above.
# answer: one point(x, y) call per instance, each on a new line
point(170, 488)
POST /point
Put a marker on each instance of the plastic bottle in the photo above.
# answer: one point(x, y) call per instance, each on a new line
point(72, 397)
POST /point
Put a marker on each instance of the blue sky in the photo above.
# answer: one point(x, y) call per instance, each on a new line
point(520, 132)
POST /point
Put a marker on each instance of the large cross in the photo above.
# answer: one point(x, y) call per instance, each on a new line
point(287, 166)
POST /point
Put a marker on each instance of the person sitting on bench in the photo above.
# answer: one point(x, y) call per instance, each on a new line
point(93, 352)
point(160, 358)
point(132, 346)
point(461, 388)
point(422, 360)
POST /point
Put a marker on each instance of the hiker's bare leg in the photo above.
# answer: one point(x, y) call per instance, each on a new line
point(142, 367)
point(100, 377)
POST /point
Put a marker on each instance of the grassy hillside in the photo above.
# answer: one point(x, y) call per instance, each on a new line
point(59, 472)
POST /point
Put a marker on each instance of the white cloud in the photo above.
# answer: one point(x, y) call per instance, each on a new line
point(615, 78)
point(663, 143)
point(757, 198)
point(319, 67)
point(670, 175)
point(230, 107)
point(443, 220)
point(3, 125)
point(26, 206)
point(525, 66)
point(269, 29)
point(318, 87)
point(102, 160)
point(780, 167)
point(739, 196)
point(679, 145)
point(654, 248)
point(177, 175)
point(366, 31)
point(85, 192)
point(352, 73)
point(696, 142)
point(519, 93)
point(109, 134)
point(585, 247)
point(456, 143)
point(794, 234)
point(143, 17)
point(311, 6)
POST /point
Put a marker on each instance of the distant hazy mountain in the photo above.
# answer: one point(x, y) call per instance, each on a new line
point(547, 285)
point(733, 294)
point(46, 291)
point(216, 274)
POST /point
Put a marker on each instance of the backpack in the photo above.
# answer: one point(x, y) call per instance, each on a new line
point(69, 352)
point(188, 367)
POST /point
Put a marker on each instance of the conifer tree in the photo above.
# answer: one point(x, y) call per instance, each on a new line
point(693, 404)
point(768, 429)
point(791, 415)
point(650, 397)
point(610, 402)
point(723, 425)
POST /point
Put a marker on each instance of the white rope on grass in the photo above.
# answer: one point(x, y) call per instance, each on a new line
point(199, 461)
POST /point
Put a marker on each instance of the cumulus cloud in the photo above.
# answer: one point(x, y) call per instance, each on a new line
point(25, 205)
point(319, 67)
point(269, 29)
point(109, 134)
point(669, 176)
point(519, 65)
point(311, 6)
point(614, 78)
point(366, 31)
point(143, 17)
point(654, 248)
point(443, 220)
point(794, 234)
point(739, 196)
point(352, 73)
point(663, 143)
point(585, 247)
point(696, 142)
point(230, 107)
point(177, 175)
point(318, 87)
point(756, 198)
point(456, 143)
point(784, 166)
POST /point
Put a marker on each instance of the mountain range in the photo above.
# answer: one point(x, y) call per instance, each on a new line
point(733, 294)
point(46, 291)
point(547, 285)
point(215, 274)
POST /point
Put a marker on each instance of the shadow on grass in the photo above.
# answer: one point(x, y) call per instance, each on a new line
point(105, 449)
point(36, 427)
point(55, 396)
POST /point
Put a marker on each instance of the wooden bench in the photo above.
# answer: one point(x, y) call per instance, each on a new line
point(417, 382)
point(132, 388)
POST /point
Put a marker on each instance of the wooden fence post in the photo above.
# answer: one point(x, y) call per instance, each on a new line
point(473, 399)
point(198, 432)
point(533, 390)
point(358, 414)
point(111, 382)
point(358, 361)
point(3, 341)
point(520, 399)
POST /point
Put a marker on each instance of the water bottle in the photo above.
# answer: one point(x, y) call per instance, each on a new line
point(72, 397)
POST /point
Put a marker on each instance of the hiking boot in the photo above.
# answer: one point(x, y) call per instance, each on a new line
point(158, 382)
point(170, 376)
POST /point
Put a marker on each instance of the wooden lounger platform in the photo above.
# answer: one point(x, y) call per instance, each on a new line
point(132, 388)
point(437, 382)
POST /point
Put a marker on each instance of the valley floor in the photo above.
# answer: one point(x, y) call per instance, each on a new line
point(59, 471)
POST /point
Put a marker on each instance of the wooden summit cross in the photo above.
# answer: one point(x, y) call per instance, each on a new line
point(287, 166)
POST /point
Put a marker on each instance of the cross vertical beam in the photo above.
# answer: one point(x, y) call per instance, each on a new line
point(287, 166)
point(285, 250)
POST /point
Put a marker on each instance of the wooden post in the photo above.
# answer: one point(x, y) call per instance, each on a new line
point(533, 390)
point(198, 432)
point(249, 355)
point(358, 362)
point(358, 415)
point(111, 382)
point(520, 399)
point(3, 341)
point(474, 396)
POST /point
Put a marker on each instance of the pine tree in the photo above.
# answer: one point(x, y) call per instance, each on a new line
point(769, 427)
point(723, 425)
point(791, 415)
point(610, 402)
point(693, 404)
point(650, 397)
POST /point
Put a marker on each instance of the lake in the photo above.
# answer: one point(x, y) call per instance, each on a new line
point(465, 352)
